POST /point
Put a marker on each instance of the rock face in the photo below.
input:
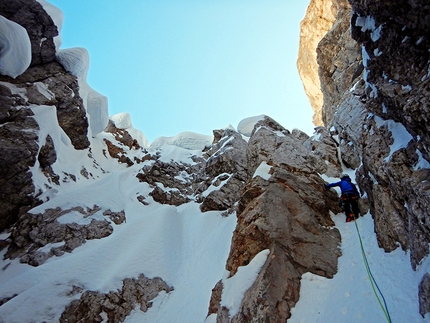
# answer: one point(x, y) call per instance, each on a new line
point(287, 212)
point(373, 68)
point(329, 60)
point(45, 83)
point(339, 61)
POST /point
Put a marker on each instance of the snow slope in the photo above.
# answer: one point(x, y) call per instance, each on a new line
point(181, 245)
point(349, 297)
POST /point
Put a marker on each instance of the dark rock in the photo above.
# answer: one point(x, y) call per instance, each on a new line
point(47, 154)
point(18, 152)
point(424, 295)
point(118, 153)
point(177, 180)
point(168, 197)
point(39, 25)
point(122, 136)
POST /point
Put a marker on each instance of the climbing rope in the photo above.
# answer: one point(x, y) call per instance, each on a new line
point(372, 279)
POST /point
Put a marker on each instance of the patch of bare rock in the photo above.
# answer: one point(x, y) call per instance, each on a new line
point(115, 306)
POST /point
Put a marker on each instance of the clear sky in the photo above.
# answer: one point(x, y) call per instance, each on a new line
point(192, 65)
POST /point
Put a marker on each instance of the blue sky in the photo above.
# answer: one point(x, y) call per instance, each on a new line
point(189, 65)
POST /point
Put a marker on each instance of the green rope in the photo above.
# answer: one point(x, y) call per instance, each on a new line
point(372, 279)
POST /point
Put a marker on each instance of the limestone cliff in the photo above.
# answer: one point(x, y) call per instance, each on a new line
point(319, 18)
point(374, 74)
point(332, 65)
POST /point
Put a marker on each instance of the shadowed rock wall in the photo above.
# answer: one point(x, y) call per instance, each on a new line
point(377, 103)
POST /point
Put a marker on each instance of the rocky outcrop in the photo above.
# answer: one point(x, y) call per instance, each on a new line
point(396, 63)
point(37, 237)
point(380, 122)
point(226, 165)
point(287, 212)
point(329, 61)
point(18, 152)
point(114, 306)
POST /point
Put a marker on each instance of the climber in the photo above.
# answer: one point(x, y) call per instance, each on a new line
point(349, 197)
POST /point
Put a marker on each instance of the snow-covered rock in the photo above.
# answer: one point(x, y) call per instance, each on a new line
point(246, 126)
point(15, 48)
point(187, 140)
point(77, 62)
point(123, 121)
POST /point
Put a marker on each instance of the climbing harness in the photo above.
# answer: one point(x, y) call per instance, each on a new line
point(372, 279)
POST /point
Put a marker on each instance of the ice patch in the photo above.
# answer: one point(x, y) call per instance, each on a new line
point(373, 178)
point(22, 92)
point(377, 52)
point(406, 88)
point(419, 40)
point(212, 188)
point(49, 246)
point(365, 56)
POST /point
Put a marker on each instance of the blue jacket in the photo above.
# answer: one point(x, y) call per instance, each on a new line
point(346, 186)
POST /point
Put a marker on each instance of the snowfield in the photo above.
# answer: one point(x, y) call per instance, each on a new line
point(188, 249)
